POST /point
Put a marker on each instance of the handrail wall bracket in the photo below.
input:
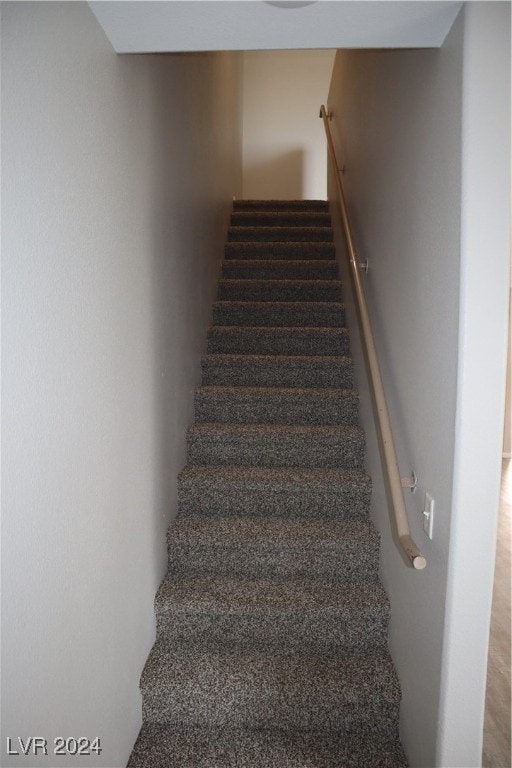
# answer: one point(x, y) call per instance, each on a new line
point(410, 482)
point(413, 554)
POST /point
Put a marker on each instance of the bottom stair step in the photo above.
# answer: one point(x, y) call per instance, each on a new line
point(251, 690)
point(164, 746)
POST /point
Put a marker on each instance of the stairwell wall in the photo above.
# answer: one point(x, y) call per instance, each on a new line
point(117, 179)
point(401, 126)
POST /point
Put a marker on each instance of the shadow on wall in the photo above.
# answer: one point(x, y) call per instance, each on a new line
point(279, 177)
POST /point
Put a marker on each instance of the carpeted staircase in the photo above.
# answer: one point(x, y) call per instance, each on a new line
point(271, 647)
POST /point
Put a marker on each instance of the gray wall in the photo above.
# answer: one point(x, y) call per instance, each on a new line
point(421, 158)
point(116, 183)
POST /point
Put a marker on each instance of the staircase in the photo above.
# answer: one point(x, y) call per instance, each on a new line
point(271, 647)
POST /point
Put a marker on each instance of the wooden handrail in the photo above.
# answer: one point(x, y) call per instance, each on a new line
point(414, 556)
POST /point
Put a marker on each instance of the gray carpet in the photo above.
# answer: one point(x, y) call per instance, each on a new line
point(271, 647)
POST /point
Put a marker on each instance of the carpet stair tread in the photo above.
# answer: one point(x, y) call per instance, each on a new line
point(201, 595)
point(282, 478)
point(278, 370)
point(262, 690)
point(277, 445)
point(164, 746)
point(288, 616)
point(267, 269)
point(279, 534)
point(270, 250)
point(341, 551)
point(280, 234)
point(295, 493)
point(279, 313)
point(280, 340)
point(277, 405)
point(280, 218)
point(279, 290)
point(286, 205)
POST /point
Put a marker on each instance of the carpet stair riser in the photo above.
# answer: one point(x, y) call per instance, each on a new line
point(279, 314)
point(282, 493)
point(279, 290)
point(261, 692)
point(280, 219)
point(280, 234)
point(279, 270)
point(280, 205)
point(275, 371)
point(265, 616)
point(247, 405)
point(277, 341)
point(275, 446)
point(305, 251)
point(341, 552)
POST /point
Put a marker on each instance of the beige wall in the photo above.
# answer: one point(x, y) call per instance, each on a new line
point(425, 138)
point(284, 151)
point(117, 178)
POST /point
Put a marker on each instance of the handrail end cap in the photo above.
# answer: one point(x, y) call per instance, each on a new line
point(416, 559)
point(419, 562)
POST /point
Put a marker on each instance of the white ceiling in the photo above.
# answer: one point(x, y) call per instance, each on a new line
point(146, 26)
